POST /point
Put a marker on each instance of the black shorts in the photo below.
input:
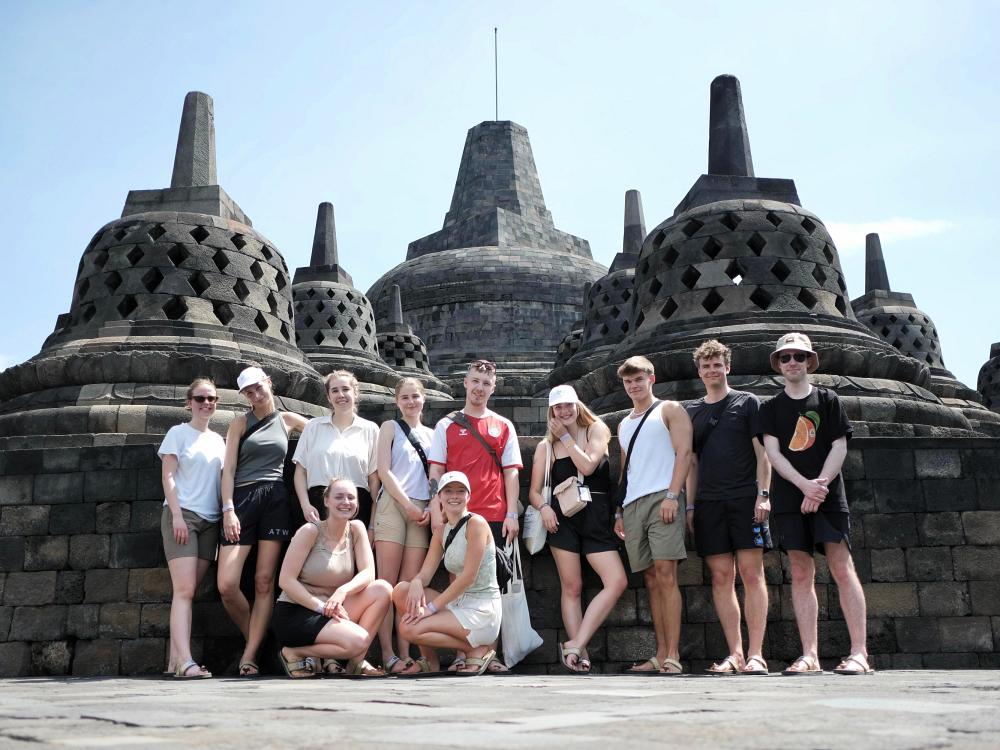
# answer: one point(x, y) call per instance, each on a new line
point(295, 626)
point(808, 532)
point(724, 526)
point(365, 505)
point(262, 508)
point(498, 538)
point(589, 531)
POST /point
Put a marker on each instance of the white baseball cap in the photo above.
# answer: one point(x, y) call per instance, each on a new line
point(250, 376)
point(563, 394)
point(454, 476)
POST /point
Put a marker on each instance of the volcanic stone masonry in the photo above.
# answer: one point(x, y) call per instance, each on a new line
point(182, 285)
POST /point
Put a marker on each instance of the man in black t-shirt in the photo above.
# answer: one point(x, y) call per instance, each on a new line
point(805, 434)
point(727, 494)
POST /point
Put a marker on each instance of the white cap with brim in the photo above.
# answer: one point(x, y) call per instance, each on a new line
point(563, 394)
point(795, 342)
point(454, 476)
point(250, 376)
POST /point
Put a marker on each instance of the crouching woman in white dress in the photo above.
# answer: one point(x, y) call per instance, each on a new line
point(466, 615)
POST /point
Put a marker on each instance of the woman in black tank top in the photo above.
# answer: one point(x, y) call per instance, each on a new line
point(576, 444)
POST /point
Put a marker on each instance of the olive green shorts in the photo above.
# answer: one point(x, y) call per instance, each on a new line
point(203, 536)
point(647, 538)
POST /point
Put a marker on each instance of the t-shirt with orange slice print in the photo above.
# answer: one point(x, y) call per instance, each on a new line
point(805, 429)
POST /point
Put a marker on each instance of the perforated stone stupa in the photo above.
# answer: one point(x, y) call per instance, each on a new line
point(895, 318)
point(405, 352)
point(180, 286)
point(498, 280)
point(989, 379)
point(334, 322)
point(742, 261)
point(608, 303)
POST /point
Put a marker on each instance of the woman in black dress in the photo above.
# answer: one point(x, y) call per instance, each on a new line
point(576, 444)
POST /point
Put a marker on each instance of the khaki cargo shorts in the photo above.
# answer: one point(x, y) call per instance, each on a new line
point(203, 536)
point(392, 525)
point(647, 538)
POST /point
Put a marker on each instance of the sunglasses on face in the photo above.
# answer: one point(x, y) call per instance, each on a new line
point(203, 399)
point(483, 365)
point(798, 357)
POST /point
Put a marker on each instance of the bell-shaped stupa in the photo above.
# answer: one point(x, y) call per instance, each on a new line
point(607, 303)
point(742, 261)
point(334, 322)
point(405, 352)
point(498, 280)
point(180, 286)
point(895, 318)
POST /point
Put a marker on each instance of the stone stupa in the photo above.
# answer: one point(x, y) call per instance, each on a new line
point(742, 261)
point(498, 280)
point(334, 322)
point(181, 285)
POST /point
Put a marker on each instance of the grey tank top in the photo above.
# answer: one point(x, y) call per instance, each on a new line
point(262, 454)
point(485, 583)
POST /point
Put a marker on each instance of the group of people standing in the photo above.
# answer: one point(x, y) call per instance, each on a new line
point(421, 497)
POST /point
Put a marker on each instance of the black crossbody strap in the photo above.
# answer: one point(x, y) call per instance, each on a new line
point(461, 420)
point(631, 443)
point(713, 421)
point(415, 443)
point(451, 534)
point(258, 426)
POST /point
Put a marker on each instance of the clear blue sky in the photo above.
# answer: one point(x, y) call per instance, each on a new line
point(885, 114)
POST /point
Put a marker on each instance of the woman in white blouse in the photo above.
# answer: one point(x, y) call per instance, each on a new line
point(340, 445)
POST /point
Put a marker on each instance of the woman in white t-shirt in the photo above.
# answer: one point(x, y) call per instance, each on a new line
point(340, 445)
point(192, 457)
point(402, 520)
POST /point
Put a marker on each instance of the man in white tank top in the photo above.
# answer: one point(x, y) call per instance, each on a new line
point(651, 520)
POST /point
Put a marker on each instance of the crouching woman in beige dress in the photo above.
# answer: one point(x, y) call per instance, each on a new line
point(466, 615)
point(331, 603)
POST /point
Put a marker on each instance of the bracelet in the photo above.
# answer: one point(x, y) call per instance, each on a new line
point(690, 509)
point(432, 608)
point(318, 609)
point(512, 516)
point(227, 508)
point(618, 516)
point(565, 437)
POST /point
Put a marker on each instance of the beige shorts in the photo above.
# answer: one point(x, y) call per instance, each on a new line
point(647, 538)
point(203, 536)
point(392, 525)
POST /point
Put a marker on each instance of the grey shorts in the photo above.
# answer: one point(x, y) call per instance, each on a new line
point(203, 536)
point(647, 538)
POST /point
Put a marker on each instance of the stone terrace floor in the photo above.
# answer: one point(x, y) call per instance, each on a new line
point(893, 709)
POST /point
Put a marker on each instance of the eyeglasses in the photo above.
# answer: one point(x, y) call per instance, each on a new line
point(203, 399)
point(798, 356)
point(483, 365)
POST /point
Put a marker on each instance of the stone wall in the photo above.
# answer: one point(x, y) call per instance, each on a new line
point(84, 589)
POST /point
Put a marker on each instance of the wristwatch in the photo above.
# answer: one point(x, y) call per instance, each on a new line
point(672, 495)
point(763, 493)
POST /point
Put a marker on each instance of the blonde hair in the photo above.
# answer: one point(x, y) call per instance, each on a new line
point(409, 381)
point(338, 480)
point(635, 365)
point(584, 418)
point(712, 349)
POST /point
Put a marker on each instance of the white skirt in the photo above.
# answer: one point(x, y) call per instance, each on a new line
point(480, 616)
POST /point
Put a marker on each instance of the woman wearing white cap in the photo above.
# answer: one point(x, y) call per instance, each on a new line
point(255, 510)
point(466, 615)
point(576, 444)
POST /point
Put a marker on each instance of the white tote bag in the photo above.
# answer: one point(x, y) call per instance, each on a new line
point(534, 533)
point(518, 637)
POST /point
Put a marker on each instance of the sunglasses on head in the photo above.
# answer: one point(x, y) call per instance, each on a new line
point(203, 399)
point(797, 356)
point(483, 365)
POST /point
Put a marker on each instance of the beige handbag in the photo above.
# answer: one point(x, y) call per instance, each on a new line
point(573, 495)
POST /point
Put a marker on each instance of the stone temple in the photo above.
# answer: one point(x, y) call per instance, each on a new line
point(182, 285)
